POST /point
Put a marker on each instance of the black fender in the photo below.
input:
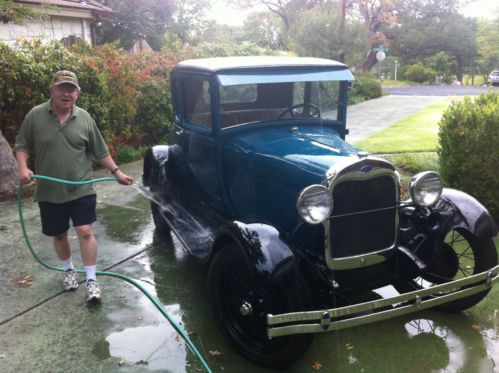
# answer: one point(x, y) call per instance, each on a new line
point(424, 229)
point(154, 159)
point(266, 254)
point(460, 210)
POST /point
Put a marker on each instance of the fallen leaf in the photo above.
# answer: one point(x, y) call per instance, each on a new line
point(122, 362)
point(316, 365)
point(350, 347)
point(177, 338)
point(23, 281)
point(3, 227)
point(215, 353)
point(476, 327)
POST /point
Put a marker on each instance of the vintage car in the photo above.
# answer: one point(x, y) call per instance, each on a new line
point(300, 229)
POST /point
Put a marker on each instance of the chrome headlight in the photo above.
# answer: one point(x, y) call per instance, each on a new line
point(425, 188)
point(314, 204)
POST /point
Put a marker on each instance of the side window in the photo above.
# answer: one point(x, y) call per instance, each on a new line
point(197, 105)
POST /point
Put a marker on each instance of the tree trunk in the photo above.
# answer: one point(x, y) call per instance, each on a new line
point(8, 171)
point(370, 61)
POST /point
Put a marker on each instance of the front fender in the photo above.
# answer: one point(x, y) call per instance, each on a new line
point(460, 210)
point(154, 159)
point(266, 254)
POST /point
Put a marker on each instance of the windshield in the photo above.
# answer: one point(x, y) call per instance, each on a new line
point(250, 103)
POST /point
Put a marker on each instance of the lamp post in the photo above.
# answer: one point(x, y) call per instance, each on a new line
point(396, 64)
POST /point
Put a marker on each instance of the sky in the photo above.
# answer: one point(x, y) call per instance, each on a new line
point(226, 14)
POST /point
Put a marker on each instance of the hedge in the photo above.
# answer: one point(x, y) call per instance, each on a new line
point(469, 148)
point(127, 95)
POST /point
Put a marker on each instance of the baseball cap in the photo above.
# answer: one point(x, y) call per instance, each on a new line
point(65, 77)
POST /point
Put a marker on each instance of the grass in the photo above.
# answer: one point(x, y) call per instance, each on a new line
point(416, 133)
point(396, 83)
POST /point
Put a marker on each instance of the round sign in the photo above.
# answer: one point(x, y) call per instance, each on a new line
point(380, 56)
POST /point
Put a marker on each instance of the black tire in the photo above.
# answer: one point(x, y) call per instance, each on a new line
point(469, 255)
point(159, 221)
point(230, 285)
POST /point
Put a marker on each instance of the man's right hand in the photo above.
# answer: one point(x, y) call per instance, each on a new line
point(25, 175)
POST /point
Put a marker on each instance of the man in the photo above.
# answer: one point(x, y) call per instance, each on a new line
point(64, 139)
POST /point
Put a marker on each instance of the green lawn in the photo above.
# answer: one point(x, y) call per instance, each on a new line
point(416, 133)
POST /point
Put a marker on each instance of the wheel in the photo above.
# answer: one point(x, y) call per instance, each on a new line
point(308, 111)
point(159, 221)
point(240, 303)
point(463, 254)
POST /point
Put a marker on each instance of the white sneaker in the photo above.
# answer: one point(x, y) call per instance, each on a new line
point(93, 291)
point(70, 280)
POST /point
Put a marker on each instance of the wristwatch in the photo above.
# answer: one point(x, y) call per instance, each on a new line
point(114, 170)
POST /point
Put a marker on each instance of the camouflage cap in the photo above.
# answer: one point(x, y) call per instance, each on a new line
point(65, 77)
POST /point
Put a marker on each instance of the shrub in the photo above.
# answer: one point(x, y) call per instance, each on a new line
point(127, 95)
point(126, 153)
point(153, 112)
point(365, 87)
point(469, 148)
point(420, 74)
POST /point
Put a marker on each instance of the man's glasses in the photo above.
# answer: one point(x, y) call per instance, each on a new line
point(66, 88)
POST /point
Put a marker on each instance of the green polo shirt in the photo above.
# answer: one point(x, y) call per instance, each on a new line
point(61, 151)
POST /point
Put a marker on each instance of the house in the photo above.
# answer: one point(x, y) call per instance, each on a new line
point(69, 21)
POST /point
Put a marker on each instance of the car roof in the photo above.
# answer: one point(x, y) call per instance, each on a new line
point(218, 64)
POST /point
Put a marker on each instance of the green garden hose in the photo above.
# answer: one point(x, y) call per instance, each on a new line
point(130, 280)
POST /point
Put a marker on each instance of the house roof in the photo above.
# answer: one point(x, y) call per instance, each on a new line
point(92, 5)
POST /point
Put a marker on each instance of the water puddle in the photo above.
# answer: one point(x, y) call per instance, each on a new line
point(152, 346)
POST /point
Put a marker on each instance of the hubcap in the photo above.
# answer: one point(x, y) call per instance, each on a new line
point(246, 309)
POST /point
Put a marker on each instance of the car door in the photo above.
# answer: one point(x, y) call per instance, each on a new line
point(194, 132)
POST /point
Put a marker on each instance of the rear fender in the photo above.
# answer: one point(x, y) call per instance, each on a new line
point(266, 254)
point(154, 160)
point(460, 210)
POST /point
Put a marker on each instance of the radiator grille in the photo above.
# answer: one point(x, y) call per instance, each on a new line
point(364, 216)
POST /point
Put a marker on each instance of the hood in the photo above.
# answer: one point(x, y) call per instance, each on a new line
point(309, 149)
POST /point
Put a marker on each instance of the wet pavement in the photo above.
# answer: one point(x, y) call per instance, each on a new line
point(43, 329)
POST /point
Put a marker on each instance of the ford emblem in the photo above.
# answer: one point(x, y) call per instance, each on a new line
point(367, 168)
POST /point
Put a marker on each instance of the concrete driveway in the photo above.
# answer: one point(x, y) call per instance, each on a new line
point(43, 329)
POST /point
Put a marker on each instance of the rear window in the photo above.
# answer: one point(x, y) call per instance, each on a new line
point(244, 93)
point(197, 104)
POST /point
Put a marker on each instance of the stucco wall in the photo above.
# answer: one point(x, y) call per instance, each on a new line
point(55, 28)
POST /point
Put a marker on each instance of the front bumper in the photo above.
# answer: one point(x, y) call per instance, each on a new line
point(377, 310)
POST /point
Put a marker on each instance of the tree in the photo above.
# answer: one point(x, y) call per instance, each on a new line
point(487, 40)
point(264, 29)
point(376, 15)
point(19, 13)
point(8, 171)
point(286, 10)
point(136, 19)
point(189, 20)
point(453, 34)
point(321, 37)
